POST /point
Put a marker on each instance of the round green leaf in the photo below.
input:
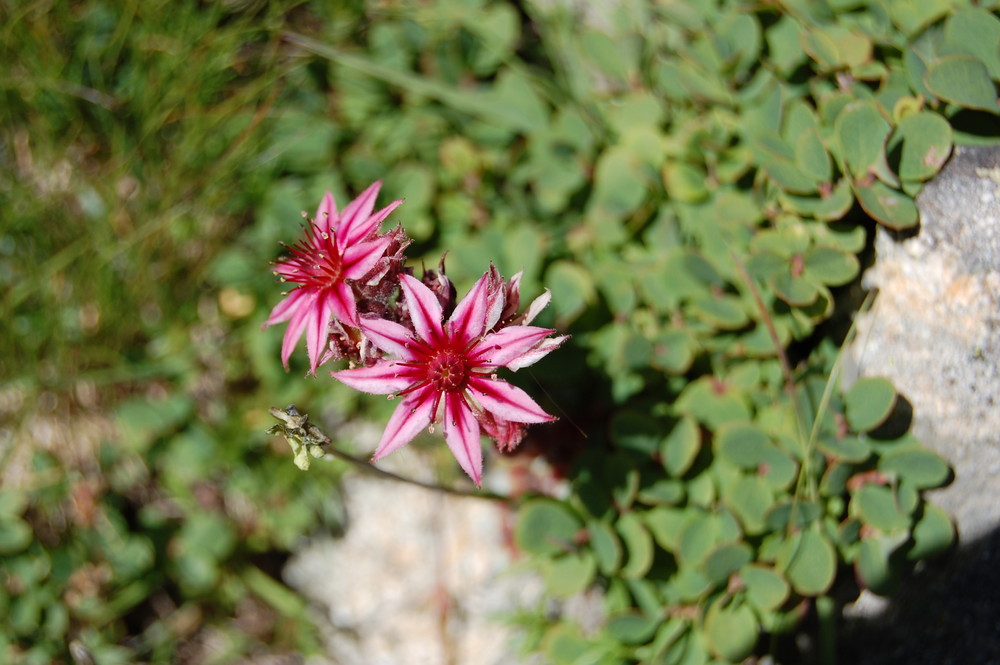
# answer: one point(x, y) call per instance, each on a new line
point(665, 525)
point(873, 563)
point(572, 289)
point(876, 505)
point(546, 527)
point(812, 158)
point(926, 144)
point(606, 546)
point(861, 130)
point(633, 627)
point(662, 491)
point(725, 560)
point(564, 645)
point(809, 561)
point(922, 467)
point(696, 538)
point(962, 80)
point(12, 503)
point(15, 535)
point(846, 449)
point(742, 445)
point(888, 206)
point(796, 291)
point(766, 588)
point(684, 182)
point(831, 266)
point(731, 629)
point(932, 535)
point(722, 312)
point(679, 449)
point(638, 544)
point(828, 207)
point(975, 32)
point(570, 574)
point(868, 403)
point(750, 498)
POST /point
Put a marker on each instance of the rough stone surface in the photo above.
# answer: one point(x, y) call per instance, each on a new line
point(418, 578)
point(934, 331)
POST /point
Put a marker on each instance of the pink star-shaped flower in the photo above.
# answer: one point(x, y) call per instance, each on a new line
point(445, 371)
point(337, 247)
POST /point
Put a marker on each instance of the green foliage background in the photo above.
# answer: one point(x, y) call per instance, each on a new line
point(692, 180)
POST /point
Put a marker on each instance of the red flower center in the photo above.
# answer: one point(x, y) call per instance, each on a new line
point(315, 262)
point(448, 371)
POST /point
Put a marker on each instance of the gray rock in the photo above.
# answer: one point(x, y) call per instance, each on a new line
point(934, 331)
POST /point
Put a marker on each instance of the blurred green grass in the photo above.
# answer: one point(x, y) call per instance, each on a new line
point(144, 515)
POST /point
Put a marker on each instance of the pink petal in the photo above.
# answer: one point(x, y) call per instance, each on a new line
point(424, 308)
point(413, 415)
point(536, 306)
point(358, 259)
point(461, 432)
point(506, 401)
point(285, 309)
point(355, 218)
point(390, 337)
point(318, 328)
point(468, 321)
point(295, 328)
point(326, 213)
point(344, 306)
point(361, 231)
point(502, 347)
point(383, 378)
point(534, 355)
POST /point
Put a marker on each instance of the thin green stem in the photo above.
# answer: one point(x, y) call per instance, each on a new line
point(298, 431)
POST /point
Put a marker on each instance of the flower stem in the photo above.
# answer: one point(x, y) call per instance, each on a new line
point(308, 440)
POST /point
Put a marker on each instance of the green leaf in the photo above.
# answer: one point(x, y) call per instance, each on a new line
point(861, 130)
point(932, 534)
point(750, 498)
point(684, 182)
point(921, 467)
point(606, 546)
point(912, 16)
point(724, 312)
point(15, 536)
point(812, 158)
point(868, 403)
point(731, 629)
point(796, 291)
point(665, 524)
point(876, 505)
point(570, 574)
point(679, 449)
point(888, 206)
point(638, 544)
point(725, 560)
point(633, 627)
point(845, 449)
point(873, 563)
point(831, 266)
point(572, 289)
point(741, 444)
point(662, 491)
point(962, 80)
point(974, 32)
point(808, 561)
point(546, 527)
point(926, 145)
point(766, 588)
